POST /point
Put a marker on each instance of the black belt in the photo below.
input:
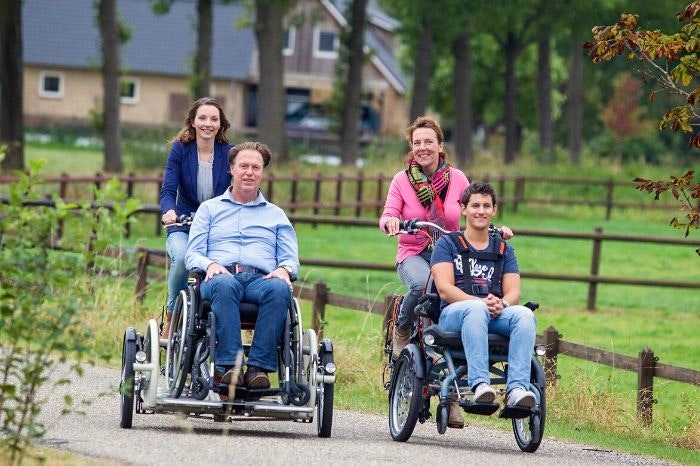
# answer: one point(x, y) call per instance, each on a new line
point(240, 268)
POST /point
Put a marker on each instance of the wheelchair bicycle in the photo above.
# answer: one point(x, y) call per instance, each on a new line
point(183, 383)
point(434, 364)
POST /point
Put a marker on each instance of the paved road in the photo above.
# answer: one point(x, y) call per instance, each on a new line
point(357, 438)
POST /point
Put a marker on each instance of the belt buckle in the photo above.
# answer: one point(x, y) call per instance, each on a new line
point(238, 268)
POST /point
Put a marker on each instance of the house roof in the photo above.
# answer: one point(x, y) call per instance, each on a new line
point(383, 58)
point(65, 33)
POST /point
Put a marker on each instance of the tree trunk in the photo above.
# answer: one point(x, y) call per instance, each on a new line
point(422, 69)
point(11, 84)
point(575, 101)
point(511, 118)
point(352, 95)
point(202, 63)
point(111, 131)
point(544, 99)
point(462, 82)
point(269, 35)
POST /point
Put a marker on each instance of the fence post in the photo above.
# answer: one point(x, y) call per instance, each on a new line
point(338, 193)
point(609, 199)
point(63, 194)
point(380, 197)
point(318, 317)
point(595, 268)
point(159, 225)
point(551, 344)
point(358, 208)
point(295, 186)
point(317, 195)
point(142, 274)
point(519, 192)
point(130, 194)
point(645, 386)
point(270, 184)
point(501, 194)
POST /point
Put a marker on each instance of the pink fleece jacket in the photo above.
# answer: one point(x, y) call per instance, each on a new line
point(402, 202)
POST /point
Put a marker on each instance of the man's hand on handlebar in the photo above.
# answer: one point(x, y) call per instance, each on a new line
point(506, 232)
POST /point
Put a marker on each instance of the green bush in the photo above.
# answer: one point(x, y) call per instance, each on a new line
point(40, 295)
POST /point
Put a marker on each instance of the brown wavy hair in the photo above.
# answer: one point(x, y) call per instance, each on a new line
point(250, 145)
point(422, 122)
point(188, 133)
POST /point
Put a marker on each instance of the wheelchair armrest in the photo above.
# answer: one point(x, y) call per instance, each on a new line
point(532, 305)
point(196, 276)
point(428, 306)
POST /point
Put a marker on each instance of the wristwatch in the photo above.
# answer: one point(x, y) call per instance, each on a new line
point(288, 268)
point(505, 303)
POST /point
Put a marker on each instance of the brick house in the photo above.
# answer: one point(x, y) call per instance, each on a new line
point(63, 83)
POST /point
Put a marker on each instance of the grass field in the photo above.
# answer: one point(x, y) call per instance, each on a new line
point(592, 403)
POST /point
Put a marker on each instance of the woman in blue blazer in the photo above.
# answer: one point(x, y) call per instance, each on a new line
point(197, 170)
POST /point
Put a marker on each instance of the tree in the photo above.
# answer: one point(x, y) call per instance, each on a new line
point(352, 90)
point(623, 115)
point(672, 62)
point(417, 34)
point(269, 31)
point(200, 82)
point(11, 84)
point(111, 42)
point(201, 72)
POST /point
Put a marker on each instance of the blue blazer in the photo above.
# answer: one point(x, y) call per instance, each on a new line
point(179, 190)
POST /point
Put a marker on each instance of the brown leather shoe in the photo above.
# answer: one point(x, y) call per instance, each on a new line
point(225, 379)
point(166, 326)
point(256, 378)
point(455, 419)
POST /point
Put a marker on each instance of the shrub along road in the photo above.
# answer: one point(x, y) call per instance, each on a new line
point(357, 438)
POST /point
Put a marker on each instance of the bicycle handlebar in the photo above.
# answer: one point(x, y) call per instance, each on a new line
point(412, 226)
point(183, 220)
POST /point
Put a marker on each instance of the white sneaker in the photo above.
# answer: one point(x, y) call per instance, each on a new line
point(520, 398)
point(484, 393)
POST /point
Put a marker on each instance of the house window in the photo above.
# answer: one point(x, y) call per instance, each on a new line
point(326, 43)
point(129, 90)
point(51, 84)
point(288, 41)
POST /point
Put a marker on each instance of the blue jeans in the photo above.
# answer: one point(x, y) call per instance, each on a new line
point(471, 318)
point(273, 298)
point(176, 246)
point(413, 272)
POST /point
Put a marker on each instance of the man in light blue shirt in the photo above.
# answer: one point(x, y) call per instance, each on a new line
point(248, 249)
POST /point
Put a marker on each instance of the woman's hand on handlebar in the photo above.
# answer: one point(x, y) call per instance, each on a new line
point(169, 217)
point(392, 226)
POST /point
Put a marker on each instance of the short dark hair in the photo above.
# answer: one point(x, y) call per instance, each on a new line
point(478, 188)
point(250, 145)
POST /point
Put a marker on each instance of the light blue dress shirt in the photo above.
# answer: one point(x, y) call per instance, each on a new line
point(257, 234)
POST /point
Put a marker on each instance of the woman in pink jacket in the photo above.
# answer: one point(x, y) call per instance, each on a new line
point(429, 189)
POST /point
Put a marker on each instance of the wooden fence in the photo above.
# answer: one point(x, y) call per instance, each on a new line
point(156, 257)
point(361, 195)
point(646, 365)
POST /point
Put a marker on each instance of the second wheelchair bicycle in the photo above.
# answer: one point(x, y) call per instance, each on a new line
point(433, 364)
point(183, 383)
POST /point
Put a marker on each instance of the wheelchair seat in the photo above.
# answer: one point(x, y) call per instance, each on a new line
point(249, 313)
point(442, 337)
